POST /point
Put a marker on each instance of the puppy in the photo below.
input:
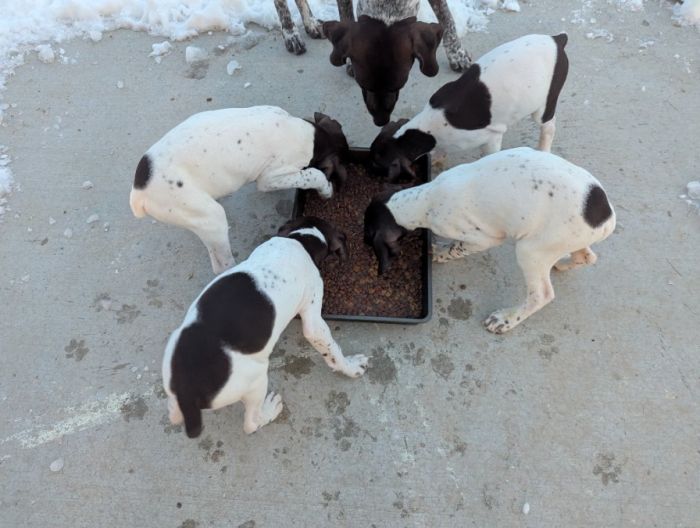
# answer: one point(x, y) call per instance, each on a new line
point(549, 206)
point(517, 79)
point(212, 154)
point(219, 355)
point(383, 43)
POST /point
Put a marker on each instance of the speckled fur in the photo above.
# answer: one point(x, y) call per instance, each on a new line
point(293, 288)
point(534, 197)
point(213, 154)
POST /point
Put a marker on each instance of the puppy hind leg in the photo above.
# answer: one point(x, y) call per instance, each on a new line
point(493, 145)
point(212, 229)
point(582, 257)
point(535, 264)
point(260, 409)
point(547, 131)
point(174, 412)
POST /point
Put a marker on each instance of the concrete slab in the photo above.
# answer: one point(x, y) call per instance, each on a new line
point(587, 412)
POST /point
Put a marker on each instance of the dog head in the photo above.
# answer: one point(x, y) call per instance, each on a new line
point(393, 156)
point(382, 56)
point(331, 149)
point(306, 229)
point(382, 232)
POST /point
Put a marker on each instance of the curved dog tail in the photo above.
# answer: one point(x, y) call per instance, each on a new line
point(192, 414)
point(137, 197)
point(137, 202)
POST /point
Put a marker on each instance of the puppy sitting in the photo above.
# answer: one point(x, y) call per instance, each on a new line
point(212, 154)
point(220, 353)
point(517, 79)
point(549, 206)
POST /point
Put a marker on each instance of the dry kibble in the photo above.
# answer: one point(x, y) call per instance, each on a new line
point(354, 287)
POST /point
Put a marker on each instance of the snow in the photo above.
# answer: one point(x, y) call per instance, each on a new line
point(45, 53)
point(87, 184)
point(232, 67)
point(693, 189)
point(687, 13)
point(195, 54)
point(92, 219)
point(5, 180)
point(160, 49)
point(56, 465)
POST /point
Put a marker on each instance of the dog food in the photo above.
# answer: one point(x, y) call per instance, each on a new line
point(354, 287)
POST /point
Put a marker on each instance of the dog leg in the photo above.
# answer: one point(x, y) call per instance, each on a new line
point(535, 263)
point(212, 229)
point(474, 241)
point(317, 333)
point(493, 145)
point(314, 27)
point(458, 58)
point(582, 257)
point(205, 217)
point(174, 412)
point(304, 179)
point(547, 131)
point(260, 410)
point(292, 40)
point(345, 10)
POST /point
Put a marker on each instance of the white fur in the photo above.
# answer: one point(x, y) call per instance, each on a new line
point(296, 288)
point(518, 75)
point(507, 195)
point(215, 153)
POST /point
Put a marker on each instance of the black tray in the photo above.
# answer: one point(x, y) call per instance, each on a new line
point(361, 155)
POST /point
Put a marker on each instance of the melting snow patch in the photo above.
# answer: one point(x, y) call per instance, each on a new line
point(5, 180)
point(68, 233)
point(628, 5)
point(45, 53)
point(56, 465)
point(194, 54)
point(692, 196)
point(687, 13)
point(232, 67)
point(87, 184)
point(600, 33)
point(92, 219)
point(160, 49)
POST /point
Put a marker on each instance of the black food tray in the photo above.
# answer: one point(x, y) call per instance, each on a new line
point(422, 168)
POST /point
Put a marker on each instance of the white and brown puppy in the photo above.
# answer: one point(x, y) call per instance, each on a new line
point(551, 207)
point(219, 355)
point(517, 79)
point(213, 154)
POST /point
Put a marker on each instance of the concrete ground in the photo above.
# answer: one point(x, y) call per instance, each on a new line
point(588, 412)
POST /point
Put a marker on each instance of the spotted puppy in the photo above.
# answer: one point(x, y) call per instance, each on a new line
point(220, 353)
point(517, 79)
point(549, 206)
point(212, 154)
point(383, 44)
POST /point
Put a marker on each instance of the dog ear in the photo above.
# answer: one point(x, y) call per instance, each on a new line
point(381, 251)
point(426, 39)
point(415, 143)
point(338, 245)
point(398, 167)
point(289, 226)
point(339, 34)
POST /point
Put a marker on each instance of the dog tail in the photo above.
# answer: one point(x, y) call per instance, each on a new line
point(141, 178)
point(192, 414)
point(561, 39)
point(137, 202)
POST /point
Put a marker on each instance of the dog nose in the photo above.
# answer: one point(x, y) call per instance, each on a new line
point(381, 119)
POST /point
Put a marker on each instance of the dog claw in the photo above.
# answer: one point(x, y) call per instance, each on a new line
point(459, 61)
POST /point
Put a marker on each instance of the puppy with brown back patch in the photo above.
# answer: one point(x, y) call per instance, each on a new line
point(517, 79)
point(550, 207)
point(212, 154)
point(220, 353)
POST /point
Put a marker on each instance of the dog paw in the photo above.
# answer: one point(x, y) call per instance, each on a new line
point(459, 60)
point(355, 366)
point(499, 322)
point(271, 408)
point(315, 29)
point(326, 193)
point(440, 253)
point(350, 70)
point(294, 43)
